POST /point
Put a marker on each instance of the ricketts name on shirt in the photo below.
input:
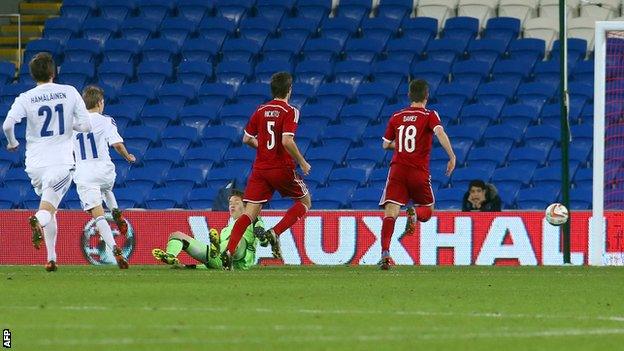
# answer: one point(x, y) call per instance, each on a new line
point(48, 97)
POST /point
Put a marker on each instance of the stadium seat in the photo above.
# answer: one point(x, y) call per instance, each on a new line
point(220, 177)
point(339, 29)
point(487, 50)
point(355, 9)
point(492, 157)
point(404, 50)
point(527, 49)
point(120, 50)
point(201, 199)
point(7, 72)
point(216, 30)
point(495, 94)
point(329, 155)
point(332, 197)
point(236, 115)
point(351, 72)
point(204, 158)
point(463, 29)
point(577, 49)
point(266, 69)
point(527, 156)
point(463, 176)
point(165, 198)
point(135, 94)
point(18, 180)
point(502, 136)
point(535, 94)
point(537, 197)
point(61, 29)
point(519, 115)
point(42, 45)
point(518, 9)
point(184, 178)
point(160, 50)
point(365, 49)
point(325, 112)
point(177, 30)
point(338, 134)
point(234, 11)
point(155, 10)
point(376, 94)
point(176, 94)
point(521, 176)
point(78, 10)
point(582, 28)
point(478, 114)
point(544, 28)
point(199, 50)
point(449, 199)
point(314, 9)
point(215, 94)
point(431, 70)
point(301, 92)
point(348, 177)
point(140, 137)
point(9, 198)
point(77, 74)
point(116, 9)
point(603, 11)
point(297, 28)
point(446, 50)
point(138, 29)
point(233, 73)
point(581, 198)
point(254, 94)
point(365, 158)
point(11, 91)
point(482, 10)
point(366, 199)
point(239, 156)
point(504, 29)
point(162, 157)
point(282, 49)
point(512, 71)
point(82, 50)
point(194, 73)
point(395, 9)
point(257, 29)
point(199, 116)
point(194, 10)
point(129, 198)
point(584, 71)
point(334, 93)
point(274, 9)
point(455, 93)
point(147, 177)
point(470, 72)
point(543, 137)
point(322, 49)
point(154, 73)
point(438, 9)
point(420, 29)
point(380, 28)
point(115, 74)
point(313, 72)
point(122, 113)
point(99, 29)
point(179, 137)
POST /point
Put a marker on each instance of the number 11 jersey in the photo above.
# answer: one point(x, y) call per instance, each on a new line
point(94, 146)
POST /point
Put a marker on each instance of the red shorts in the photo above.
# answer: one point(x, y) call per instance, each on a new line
point(263, 183)
point(408, 183)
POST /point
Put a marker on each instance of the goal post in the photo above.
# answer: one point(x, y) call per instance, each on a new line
point(608, 66)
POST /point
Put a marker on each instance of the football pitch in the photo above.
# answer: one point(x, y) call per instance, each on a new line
point(314, 308)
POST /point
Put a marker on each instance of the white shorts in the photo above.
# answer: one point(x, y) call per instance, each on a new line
point(57, 178)
point(91, 180)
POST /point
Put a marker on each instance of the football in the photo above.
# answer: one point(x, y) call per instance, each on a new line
point(556, 214)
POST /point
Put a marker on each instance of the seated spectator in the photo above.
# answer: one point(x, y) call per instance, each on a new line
point(481, 197)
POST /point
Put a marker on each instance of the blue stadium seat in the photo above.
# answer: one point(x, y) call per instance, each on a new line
point(351, 72)
point(577, 49)
point(194, 73)
point(42, 45)
point(30, 200)
point(366, 158)
point(77, 74)
point(366, 199)
point(116, 9)
point(521, 176)
point(527, 156)
point(216, 30)
point(395, 9)
point(548, 72)
point(115, 74)
point(236, 115)
point(274, 9)
point(257, 29)
point(122, 113)
point(200, 199)
point(313, 72)
point(162, 157)
point(17, 179)
point(550, 176)
point(314, 9)
point(234, 11)
point(463, 176)
point(154, 73)
point(339, 28)
point(78, 10)
point(447, 111)
point(184, 177)
point(194, 10)
point(487, 50)
point(584, 71)
point(160, 50)
point(449, 199)
point(297, 28)
point(334, 93)
point(464, 133)
point(535, 94)
point(584, 178)
point(446, 50)
point(99, 29)
point(537, 198)
point(422, 29)
point(138, 29)
point(364, 49)
point(199, 116)
point(332, 197)
point(164, 198)
point(495, 94)
point(9, 198)
point(282, 49)
point(220, 177)
point(129, 198)
point(519, 115)
point(502, 136)
point(431, 71)
point(155, 10)
point(542, 137)
point(487, 155)
point(380, 28)
point(179, 137)
point(322, 49)
point(215, 94)
point(355, 9)
point(82, 50)
point(204, 158)
point(512, 71)
point(581, 90)
point(301, 92)
point(339, 134)
point(140, 137)
point(455, 93)
point(135, 94)
point(254, 93)
point(233, 73)
point(461, 28)
point(323, 112)
point(502, 28)
point(581, 198)
point(356, 115)
point(7, 72)
point(348, 177)
point(319, 176)
point(176, 94)
point(470, 71)
point(159, 116)
point(376, 94)
point(329, 155)
point(61, 29)
point(11, 91)
point(404, 50)
point(146, 177)
point(239, 156)
point(177, 29)
point(529, 49)
point(199, 50)
point(120, 50)
point(266, 69)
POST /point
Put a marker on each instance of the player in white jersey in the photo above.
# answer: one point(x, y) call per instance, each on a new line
point(95, 172)
point(52, 111)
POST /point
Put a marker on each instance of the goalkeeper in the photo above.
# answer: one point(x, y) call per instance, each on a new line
point(210, 255)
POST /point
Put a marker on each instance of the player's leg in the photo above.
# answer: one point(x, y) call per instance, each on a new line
point(111, 203)
point(391, 212)
point(252, 210)
point(421, 194)
point(394, 196)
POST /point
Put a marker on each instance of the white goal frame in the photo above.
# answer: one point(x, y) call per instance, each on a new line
point(597, 225)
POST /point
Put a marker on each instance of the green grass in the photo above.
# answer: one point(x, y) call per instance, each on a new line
point(314, 308)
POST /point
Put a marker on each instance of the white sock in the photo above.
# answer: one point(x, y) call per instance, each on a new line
point(105, 231)
point(44, 217)
point(110, 200)
point(49, 234)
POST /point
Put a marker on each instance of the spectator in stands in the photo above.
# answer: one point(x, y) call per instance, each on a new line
point(481, 197)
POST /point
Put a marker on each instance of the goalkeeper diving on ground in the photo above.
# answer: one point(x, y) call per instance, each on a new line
point(209, 255)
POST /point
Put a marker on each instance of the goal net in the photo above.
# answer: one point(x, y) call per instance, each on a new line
point(606, 235)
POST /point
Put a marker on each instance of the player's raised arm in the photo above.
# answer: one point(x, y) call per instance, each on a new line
point(15, 115)
point(446, 144)
point(81, 122)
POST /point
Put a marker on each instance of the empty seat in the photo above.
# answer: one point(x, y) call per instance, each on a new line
point(99, 29)
point(605, 10)
point(257, 29)
point(162, 157)
point(240, 49)
point(339, 28)
point(536, 94)
point(194, 10)
point(492, 157)
point(61, 28)
point(239, 157)
point(216, 30)
point(115, 74)
point(82, 50)
point(404, 50)
point(313, 72)
point(322, 49)
point(42, 45)
point(78, 10)
point(495, 94)
point(215, 93)
point(220, 177)
point(254, 93)
point(366, 158)
point(582, 28)
point(138, 29)
point(351, 72)
point(395, 9)
point(348, 177)
point(537, 198)
point(201, 198)
point(512, 71)
point(199, 50)
point(116, 9)
point(199, 116)
point(528, 49)
point(446, 50)
point(550, 9)
point(234, 11)
point(233, 73)
point(154, 73)
point(544, 28)
point(380, 28)
point(355, 9)
point(77, 74)
point(314, 9)
point(160, 50)
point(120, 50)
point(274, 9)
point(159, 116)
point(520, 9)
point(135, 94)
point(148, 177)
point(366, 198)
point(482, 10)
point(236, 115)
point(168, 197)
point(176, 95)
point(422, 29)
point(333, 197)
point(331, 155)
point(449, 199)
point(194, 73)
point(155, 9)
point(502, 136)
point(438, 9)
point(282, 49)
point(297, 28)
point(487, 50)
point(204, 158)
point(184, 177)
point(334, 93)
point(177, 30)
point(376, 94)
point(342, 134)
point(364, 49)
point(266, 69)
point(470, 72)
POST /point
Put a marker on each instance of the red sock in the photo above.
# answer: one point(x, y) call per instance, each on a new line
point(291, 217)
point(387, 228)
point(424, 213)
point(237, 232)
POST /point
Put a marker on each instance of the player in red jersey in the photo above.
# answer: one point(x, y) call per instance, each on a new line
point(410, 134)
point(271, 130)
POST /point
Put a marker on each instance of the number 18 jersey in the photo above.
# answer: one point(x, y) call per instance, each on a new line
point(268, 124)
point(412, 131)
point(94, 146)
point(51, 110)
